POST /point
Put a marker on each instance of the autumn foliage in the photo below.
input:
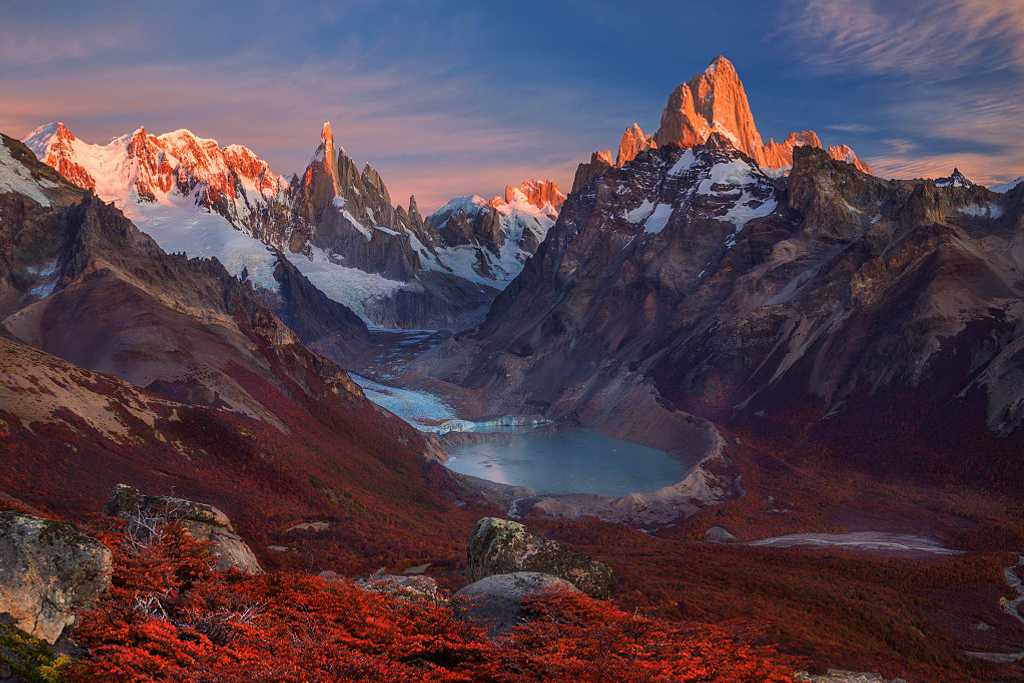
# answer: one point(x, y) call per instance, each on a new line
point(169, 617)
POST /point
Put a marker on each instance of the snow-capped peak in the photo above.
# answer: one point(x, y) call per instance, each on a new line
point(955, 179)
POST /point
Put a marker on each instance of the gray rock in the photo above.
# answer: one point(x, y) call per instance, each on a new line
point(205, 522)
point(718, 534)
point(415, 587)
point(48, 571)
point(501, 546)
point(497, 601)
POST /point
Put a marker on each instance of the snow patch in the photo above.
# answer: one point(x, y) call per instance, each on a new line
point(640, 213)
point(684, 163)
point(656, 222)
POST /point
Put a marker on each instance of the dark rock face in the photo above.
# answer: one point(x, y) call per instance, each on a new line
point(501, 546)
point(733, 294)
point(145, 514)
point(48, 571)
point(497, 602)
point(598, 164)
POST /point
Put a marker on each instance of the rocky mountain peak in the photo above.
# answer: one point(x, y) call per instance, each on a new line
point(713, 100)
point(633, 141)
point(846, 153)
point(716, 101)
point(55, 144)
point(538, 193)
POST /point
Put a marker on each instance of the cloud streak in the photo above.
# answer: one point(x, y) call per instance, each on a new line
point(941, 39)
point(948, 76)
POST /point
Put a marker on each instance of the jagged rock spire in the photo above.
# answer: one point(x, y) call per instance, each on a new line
point(633, 141)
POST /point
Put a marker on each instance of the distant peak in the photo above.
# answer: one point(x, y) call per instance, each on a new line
point(326, 133)
point(719, 62)
point(955, 179)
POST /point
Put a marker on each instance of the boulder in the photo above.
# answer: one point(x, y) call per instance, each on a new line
point(48, 571)
point(417, 587)
point(501, 546)
point(718, 534)
point(206, 523)
point(497, 602)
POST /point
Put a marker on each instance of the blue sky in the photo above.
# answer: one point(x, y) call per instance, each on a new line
point(447, 98)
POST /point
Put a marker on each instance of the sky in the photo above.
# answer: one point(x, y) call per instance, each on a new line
point(448, 99)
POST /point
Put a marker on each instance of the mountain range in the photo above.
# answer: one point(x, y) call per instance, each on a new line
point(336, 224)
point(836, 352)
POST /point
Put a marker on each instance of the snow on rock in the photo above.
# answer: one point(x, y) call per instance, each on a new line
point(14, 177)
point(525, 214)
point(354, 288)
point(656, 222)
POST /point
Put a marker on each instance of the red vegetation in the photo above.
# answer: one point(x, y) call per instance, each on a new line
point(168, 617)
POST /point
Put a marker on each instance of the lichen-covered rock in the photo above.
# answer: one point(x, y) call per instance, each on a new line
point(417, 587)
point(205, 523)
point(497, 601)
point(48, 571)
point(501, 546)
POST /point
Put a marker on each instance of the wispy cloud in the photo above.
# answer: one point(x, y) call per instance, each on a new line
point(20, 47)
point(939, 39)
point(949, 76)
point(852, 128)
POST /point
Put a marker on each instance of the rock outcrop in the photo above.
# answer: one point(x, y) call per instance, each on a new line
point(501, 546)
point(498, 602)
point(48, 571)
point(145, 514)
point(633, 141)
